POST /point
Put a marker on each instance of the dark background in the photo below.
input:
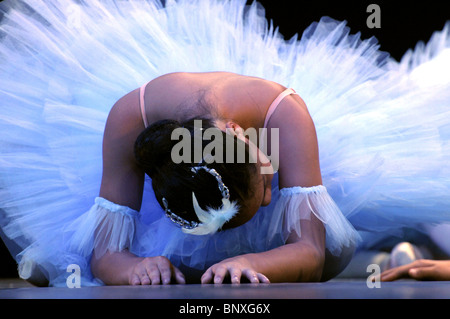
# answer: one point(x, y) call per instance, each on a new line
point(403, 24)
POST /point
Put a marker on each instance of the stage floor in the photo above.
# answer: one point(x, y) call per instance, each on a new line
point(335, 289)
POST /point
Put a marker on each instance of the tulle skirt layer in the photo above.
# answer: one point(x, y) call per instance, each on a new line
point(383, 126)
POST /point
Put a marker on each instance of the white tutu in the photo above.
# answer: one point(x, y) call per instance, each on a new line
point(383, 127)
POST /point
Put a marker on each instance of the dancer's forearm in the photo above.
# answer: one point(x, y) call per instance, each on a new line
point(114, 268)
point(290, 263)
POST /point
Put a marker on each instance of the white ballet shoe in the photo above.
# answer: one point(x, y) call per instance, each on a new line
point(405, 253)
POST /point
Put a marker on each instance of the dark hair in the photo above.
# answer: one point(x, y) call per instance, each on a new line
point(176, 182)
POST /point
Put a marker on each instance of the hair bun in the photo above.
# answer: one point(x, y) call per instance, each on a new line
point(153, 146)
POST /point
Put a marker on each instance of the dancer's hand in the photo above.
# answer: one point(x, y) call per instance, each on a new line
point(234, 268)
point(422, 269)
point(155, 271)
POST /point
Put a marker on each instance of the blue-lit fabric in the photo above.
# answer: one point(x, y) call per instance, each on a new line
point(383, 126)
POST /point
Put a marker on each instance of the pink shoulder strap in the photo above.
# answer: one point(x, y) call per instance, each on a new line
point(276, 102)
point(142, 104)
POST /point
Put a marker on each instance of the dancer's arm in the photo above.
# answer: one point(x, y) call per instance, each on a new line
point(423, 269)
point(301, 259)
point(298, 260)
point(122, 180)
point(122, 184)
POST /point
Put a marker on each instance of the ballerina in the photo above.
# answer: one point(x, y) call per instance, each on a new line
point(86, 176)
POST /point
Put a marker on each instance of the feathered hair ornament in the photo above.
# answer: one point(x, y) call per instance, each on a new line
point(211, 219)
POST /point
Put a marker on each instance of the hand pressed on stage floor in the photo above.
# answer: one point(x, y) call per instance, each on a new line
point(423, 269)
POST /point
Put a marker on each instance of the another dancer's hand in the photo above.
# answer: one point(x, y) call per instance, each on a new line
point(422, 269)
point(235, 269)
point(155, 271)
